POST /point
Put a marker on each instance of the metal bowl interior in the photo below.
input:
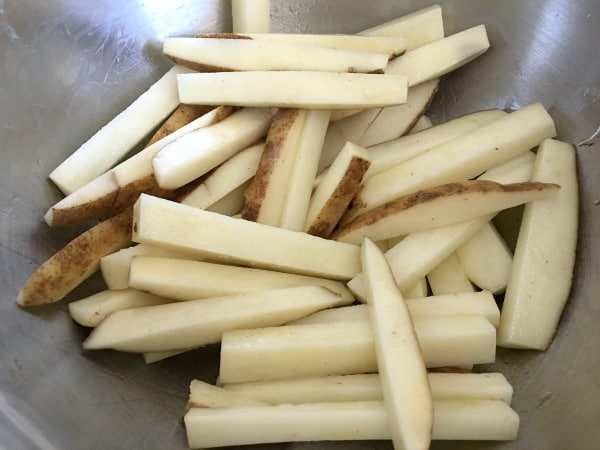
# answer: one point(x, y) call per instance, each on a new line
point(69, 66)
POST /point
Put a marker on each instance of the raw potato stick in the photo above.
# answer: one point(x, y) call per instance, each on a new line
point(76, 261)
point(251, 16)
point(183, 115)
point(449, 277)
point(232, 203)
point(189, 280)
point(346, 348)
point(408, 404)
point(183, 325)
point(205, 395)
point(365, 387)
point(180, 227)
point(453, 419)
point(542, 270)
point(329, 90)
point(418, 289)
point(117, 138)
point(423, 123)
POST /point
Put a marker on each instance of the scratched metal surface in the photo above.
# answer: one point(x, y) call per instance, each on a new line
point(68, 66)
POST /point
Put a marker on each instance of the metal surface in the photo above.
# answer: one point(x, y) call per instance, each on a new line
point(68, 66)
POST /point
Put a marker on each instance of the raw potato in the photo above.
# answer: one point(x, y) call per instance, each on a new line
point(189, 280)
point(183, 115)
point(336, 190)
point(542, 270)
point(117, 138)
point(232, 204)
point(195, 153)
point(418, 289)
point(439, 206)
point(449, 277)
point(215, 54)
point(205, 395)
point(423, 123)
point(92, 310)
point(408, 404)
point(76, 261)
point(342, 421)
point(251, 16)
point(171, 225)
point(329, 90)
point(183, 325)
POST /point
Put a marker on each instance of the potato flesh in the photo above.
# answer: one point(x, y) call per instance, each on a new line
point(171, 225)
point(423, 123)
point(453, 419)
point(449, 277)
point(542, 270)
point(112, 142)
point(346, 348)
point(232, 203)
point(331, 90)
point(251, 16)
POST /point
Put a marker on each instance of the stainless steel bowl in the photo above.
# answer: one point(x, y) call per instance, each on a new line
point(68, 66)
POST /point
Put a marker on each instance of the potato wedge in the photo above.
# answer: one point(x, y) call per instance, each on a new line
point(329, 90)
point(443, 205)
point(76, 261)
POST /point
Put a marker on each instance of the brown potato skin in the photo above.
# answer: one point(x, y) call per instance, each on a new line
point(183, 115)
point(76, 261)
point(334, 208)
point(99, 207)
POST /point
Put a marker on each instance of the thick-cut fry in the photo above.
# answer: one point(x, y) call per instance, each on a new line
point(461, 158)
point(365, 387)
point(231, 204)
point(117, 138)
point(439, 206)
point(183, 115)
point(336, 190)
point(346, 348)
point(203, 233)
point(196, 323)
point(542, 270)
point(194, 154)
point(449, 277)
point(408, 404)
point(423, 123)
point(76, 261)
point(328, 90)
point(418, 289)
point(453, 419)
point(190, 280)
point(92, 310)
point(251, 16)
point(214, 54)
point(205, 395)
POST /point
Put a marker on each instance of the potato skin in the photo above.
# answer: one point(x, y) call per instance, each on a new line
point(183, 115)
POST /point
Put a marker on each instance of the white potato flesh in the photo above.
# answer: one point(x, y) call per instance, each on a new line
point(542, 270)
point(117, 138)
point(195, 153)
point(328, 89)
point(393, 152)
point(408, 214)
point(183, 325)
point(418, 289)
point(180, 227)
point(347, 347)
point(515, 170)
point(408, 404)
point(440, 57)
point(231, 204)
point(218, 55)
point(90, 311)
point(449, 277)
point(461, 158)
point(230, 175)
point(486, 259)
point(299, 186)
point(342, 421)
point(251, 16)
point(205, 395)
point(423, 123)
point(361, 387)
point(190, 280)
point(390, 45)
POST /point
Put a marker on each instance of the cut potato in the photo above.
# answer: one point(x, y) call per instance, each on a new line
point(189, 280)
point(439, 206)
point(205, 395)
point(183, 115)
point(423, 123)
point(197, 152)
point(440, 57)
point(365, 387)
point(171, 225)
point(393, 152)
point(461, 158)
point(76, 261)
point(336, 190)
point(214, 54)
point(449, 277)
point(346, 348)
point(117, 138)
point(231, 204)
point(251, 16)
point(542, 270)
point(92, 310)
point(342, 421)
point(418, 289)
point(408, 404)
point(196, 323)
point(329, 90)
